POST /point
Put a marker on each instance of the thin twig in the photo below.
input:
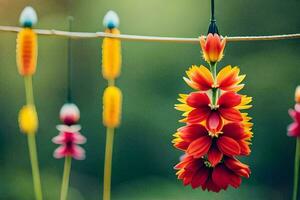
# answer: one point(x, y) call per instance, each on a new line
point(86, 35)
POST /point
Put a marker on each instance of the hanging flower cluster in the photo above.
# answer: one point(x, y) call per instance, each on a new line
point(111, 67)
point(112, 96)
point(217, 130)
point(69, 136)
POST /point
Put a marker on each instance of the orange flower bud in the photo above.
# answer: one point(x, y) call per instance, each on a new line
point(112, 105)
point(26, 52)
point(297, 94)
point(111, 56)
point(212, 47)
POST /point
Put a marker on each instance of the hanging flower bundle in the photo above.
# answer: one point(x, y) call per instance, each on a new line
point(26, 57)
point(112, 96)
point(217, 130)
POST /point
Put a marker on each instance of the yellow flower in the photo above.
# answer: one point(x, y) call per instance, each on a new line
point(297, 94)
point(111, 56)
point(112, 105)
point(28, 119)
point(26, 51)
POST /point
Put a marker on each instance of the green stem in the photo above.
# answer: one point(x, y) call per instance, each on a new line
point(107, 163)
point(32, 143)
point(213, 69)
point(34, 166)
point(29, 90)
point(296, 169)
point(66, 177)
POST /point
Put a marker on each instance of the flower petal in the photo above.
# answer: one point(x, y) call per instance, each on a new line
point(214, 156)
point(214, 122)
point(228, 146)
point(198, 100)
point(200, 177)
point(199, 147)
point(198, 115)
point(78, 153)
point(200, 78)
point(231, 114)
point(234, 130)
point(60, 152)
point(191, 132)
point(229, 100)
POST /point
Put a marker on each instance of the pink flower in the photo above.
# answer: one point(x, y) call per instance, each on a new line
point(294, 128)
point(68, 139)
point(69, 114)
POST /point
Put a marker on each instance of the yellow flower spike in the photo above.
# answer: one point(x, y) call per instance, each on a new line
point(112, 105)
point(297, 94)
point(111, 56)
point(26, 52)
point(28, 119)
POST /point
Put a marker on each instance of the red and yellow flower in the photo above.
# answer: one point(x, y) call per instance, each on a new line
point(212, 47)
point(198, 107)
point(216, 129)
point(197, 141)
point(228, 79)
point(198, 172)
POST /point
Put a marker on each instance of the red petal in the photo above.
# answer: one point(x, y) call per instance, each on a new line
point(245, 149)
point(191, 132)
point(199, 147)
point(220, 176)
point(211, 186)
point(228, 146)
point(214, 122)
point(200, 177)
point(229, 100)
point(214, 156)
point(198, 100)
point(235, 165)
point(231, 114)
point(234, 130)
point(182, 145)
point(201, 80)
point(224, 177)
point(228, 81)
point(198, 115)
point(188, 176)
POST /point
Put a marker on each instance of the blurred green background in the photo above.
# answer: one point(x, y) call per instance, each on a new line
point(151, 79)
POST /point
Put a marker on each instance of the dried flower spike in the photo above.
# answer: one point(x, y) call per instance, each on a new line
point(297, 94)
point(26, 52)
point(112, 105)
point(111, 48)
point(28, 120)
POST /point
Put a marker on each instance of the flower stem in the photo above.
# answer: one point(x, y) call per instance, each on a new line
point(66, 177)
point(32, 143)
point(107, 163)
point(213, 69)
point(296, 169)
point(29, 90)
point(34, 166)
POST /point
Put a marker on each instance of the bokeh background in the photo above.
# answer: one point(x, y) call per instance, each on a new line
point(151, 79)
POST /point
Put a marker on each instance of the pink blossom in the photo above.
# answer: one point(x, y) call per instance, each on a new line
point(68, 139)
point(294, 128)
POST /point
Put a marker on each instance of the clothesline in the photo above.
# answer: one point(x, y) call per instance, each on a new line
point(88, 35)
